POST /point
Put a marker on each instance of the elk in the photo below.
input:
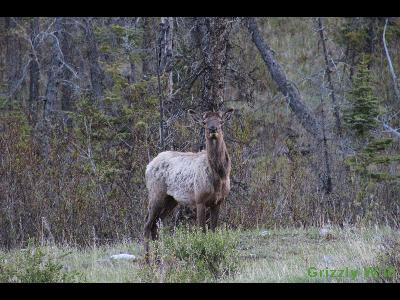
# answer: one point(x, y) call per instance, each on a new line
point(199, 180)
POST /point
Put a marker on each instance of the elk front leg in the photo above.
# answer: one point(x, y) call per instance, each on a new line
point(201, 216)
point(214, 217)
point(147, 233)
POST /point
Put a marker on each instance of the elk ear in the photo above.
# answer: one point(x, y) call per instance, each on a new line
point(195, 117)
point(227, 115)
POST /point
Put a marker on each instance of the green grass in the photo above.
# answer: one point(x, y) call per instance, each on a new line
point(281, 255)
point(286, 255)
point(96, 266)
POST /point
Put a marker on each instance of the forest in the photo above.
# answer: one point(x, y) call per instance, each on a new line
point(87, 102)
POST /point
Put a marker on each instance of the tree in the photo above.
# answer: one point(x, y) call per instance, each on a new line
point(148, 48)
point(96, 72)
point(364, 109)
point(52, 102)
point(287, 88)
point(66, 45)
point(211, 36)
point(361, 120)
point(213, 40)
point(164, 61)
point(34, 65)
point(328, 74)
point(13, 58)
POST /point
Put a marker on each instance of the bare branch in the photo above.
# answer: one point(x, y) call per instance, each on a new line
point(394, 77)
point(394, 131)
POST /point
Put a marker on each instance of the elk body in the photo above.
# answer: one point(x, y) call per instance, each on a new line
point(198, 180)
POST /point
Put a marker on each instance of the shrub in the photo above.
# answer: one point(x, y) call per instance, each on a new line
point(389, 259)
point(195, 256)
point(34, 265)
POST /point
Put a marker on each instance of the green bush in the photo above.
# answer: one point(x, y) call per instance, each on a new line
point(33, 265)
point(191, 255)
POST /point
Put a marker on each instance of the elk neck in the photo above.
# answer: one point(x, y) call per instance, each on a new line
point(218, 156)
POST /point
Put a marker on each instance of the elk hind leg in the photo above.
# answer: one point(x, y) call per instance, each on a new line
point(214, 217)
point(170, 204)
point(150, 228)
point(201, 215)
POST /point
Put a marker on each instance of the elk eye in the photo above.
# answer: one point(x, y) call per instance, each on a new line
point(204, 122)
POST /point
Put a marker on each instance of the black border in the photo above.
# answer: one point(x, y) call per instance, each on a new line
point(157, 8)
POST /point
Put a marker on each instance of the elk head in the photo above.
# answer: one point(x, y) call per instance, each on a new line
point(212, 121)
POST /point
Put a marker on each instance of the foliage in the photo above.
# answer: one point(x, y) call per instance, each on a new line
point(371, 151)
point(353, 34)
point(361, 118)
point(359, 36)
point(364, 109)
point(35, 265)
point(190, 255)
point(370, 156)
point(389, 259)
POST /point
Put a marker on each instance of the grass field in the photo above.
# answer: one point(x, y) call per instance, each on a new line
point(281, 255)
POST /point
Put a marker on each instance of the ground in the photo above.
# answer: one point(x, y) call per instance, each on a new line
point(279, 255)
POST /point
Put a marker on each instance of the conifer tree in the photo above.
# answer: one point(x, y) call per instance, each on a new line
point(361, 116)
point(361, 120)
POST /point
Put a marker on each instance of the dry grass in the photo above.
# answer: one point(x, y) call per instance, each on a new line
point(281, 255)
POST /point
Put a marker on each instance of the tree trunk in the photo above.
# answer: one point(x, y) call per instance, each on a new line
point(66, 87)
point(292, 95)
point(34, 68)
point(169, 54)
point(168, 61)
point(147, 45)
point(13, 58)
point(164, 66)
point(96, 72)
point(330, 83)
point(52, 102)
point(160, 53)
point(211, 36)
point(371, 38)
point(391, 69)
point(327, 178)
